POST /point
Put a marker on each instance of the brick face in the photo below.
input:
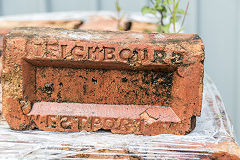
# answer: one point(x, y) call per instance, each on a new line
point(126, 82)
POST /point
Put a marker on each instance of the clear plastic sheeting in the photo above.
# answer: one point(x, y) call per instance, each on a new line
point(213, 128)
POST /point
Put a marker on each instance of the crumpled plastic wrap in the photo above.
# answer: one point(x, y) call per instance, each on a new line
point(213, 128)
point(213, 132)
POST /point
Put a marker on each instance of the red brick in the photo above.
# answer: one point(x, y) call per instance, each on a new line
point(6, 26)
point(67, 24)
point(126, 82)
point(101, 23)
point(143, 27)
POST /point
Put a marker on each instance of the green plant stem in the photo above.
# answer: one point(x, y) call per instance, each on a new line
point(163, 9)
point(118, 14)
point(161, 20)
point(174, 16)
point(185, 14)
point(161, 14)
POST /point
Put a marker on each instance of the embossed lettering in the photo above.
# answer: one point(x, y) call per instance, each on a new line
point(66, 48)
point(108, 123)
point(159, 56)
point(78, 52)
point(177, 58)
point(84, 51)
point(143, 54)
point(96, 123)
point(95, 53)
point(34, 118)
point(65, 122)
point(37, 49)
point(125, 54)
point(125, 125)
point(84, 123)
point(53, 49)
point(138, 125)
point(51, 121)
point(73, 123)
point(109, 53)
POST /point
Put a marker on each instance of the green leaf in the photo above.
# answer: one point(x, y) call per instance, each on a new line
point(121, 28)
point(166, 9)
point(155, 6)
point(159, 29)
point(170, 10)
point(164, 2)
point(168, 2)
point(177, 4)
point(163, 29)
point(180, 11)
point(147, 31)
point(160, 8)
point(146, 10)
point(180, 30)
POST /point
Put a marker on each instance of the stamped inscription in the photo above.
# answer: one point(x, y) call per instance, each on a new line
point(79, 123)
point(72, 50)
point(62, 81)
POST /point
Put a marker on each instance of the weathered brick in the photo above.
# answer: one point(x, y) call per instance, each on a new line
point(129, 83)
point(143, 27)
point(100, 23)
point(6, 26)
point(67, 24)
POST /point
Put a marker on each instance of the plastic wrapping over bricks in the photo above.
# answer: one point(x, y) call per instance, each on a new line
point(125, 82)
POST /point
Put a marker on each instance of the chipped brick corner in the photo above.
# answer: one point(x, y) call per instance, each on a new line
point(129, 83)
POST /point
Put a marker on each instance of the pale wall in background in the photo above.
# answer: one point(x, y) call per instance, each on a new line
point(217, 22)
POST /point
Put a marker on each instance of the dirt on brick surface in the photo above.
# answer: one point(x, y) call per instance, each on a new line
point(126, 82)
point(223, 156)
